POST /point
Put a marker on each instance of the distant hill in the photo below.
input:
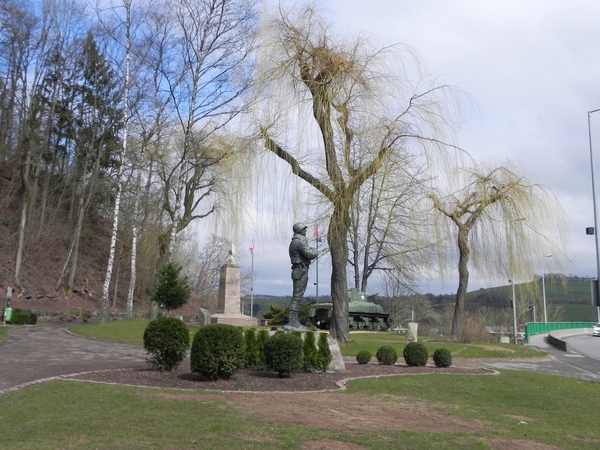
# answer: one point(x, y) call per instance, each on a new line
point(571, 293)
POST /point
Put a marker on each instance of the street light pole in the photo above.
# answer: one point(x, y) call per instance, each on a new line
point(595, 287)
point(544, 291)
point(252, 280)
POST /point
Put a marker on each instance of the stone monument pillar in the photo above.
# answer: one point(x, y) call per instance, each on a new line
point(229, 302)
point(229, 290)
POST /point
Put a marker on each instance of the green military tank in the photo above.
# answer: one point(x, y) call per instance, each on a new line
point(363, 314)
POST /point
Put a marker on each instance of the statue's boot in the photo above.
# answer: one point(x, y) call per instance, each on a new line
point(293, 322)
point(295, 325)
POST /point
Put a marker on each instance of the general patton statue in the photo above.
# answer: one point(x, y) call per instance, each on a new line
point(300, 256)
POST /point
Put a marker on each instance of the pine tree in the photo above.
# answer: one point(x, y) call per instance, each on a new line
point(171, 290)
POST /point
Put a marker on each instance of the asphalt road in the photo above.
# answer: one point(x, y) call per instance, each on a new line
point(31, 355)
point(585, 344)
point(582, 361)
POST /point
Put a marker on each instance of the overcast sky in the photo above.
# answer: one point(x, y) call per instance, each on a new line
point(532, 68)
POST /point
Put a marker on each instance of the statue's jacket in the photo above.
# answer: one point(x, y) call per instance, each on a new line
point(300, 253)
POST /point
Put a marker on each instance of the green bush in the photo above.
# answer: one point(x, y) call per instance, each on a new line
point(311, 357)
point(251, 348)
point(261, 337)
point(363, 357)
point(324, 352)
point(386, 355)
point(276, 315)
point(171, 290)
point(442, 357)
point(415, 354)
point(23, 317)
point(166, 340)
point(283, 353)
point(218, 351)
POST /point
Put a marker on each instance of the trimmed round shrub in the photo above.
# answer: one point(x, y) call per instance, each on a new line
point(442, 357)
point(363, 357)
point(218, 351)
point(386, 355)
point(415, 354)
point(283, 353)
point(166, 340)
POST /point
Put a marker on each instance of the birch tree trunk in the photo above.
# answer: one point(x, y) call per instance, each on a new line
point(134, 239)
point(104, 302)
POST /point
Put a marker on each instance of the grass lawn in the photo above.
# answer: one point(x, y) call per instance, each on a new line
point(518, 409)
point(4, 330)
point(555, 410)
point(372, 341)
point(132, 331)
point(128, 331)
point(515, 406)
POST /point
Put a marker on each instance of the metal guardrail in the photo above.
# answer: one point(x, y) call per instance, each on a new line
point(532, 328)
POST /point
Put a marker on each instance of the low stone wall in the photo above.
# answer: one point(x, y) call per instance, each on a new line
point(78, 316)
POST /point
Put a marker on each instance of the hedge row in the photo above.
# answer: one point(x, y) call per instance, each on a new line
point(23, 317)
point(415, 354)
point(218, 350)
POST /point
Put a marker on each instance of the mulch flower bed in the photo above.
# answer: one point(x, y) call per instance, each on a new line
point(260, 381)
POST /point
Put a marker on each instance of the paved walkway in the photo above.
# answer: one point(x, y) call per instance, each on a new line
point(31, 355)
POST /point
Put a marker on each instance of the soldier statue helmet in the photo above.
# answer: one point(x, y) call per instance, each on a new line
point(298, 227)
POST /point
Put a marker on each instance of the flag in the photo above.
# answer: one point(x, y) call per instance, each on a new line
point(316, 235)
point(251, 249)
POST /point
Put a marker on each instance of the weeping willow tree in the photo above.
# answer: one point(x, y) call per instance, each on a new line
point(336, 109)
point(502, 222)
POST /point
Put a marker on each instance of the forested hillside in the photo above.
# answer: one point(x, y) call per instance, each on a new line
point(110, 144)
point(41, 285)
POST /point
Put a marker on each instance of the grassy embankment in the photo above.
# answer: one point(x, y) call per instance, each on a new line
point(4, 329)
